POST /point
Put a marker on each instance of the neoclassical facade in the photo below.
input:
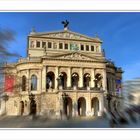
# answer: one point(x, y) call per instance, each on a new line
point(64, 74)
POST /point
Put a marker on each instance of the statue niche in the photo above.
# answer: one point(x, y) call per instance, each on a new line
point(98, 81)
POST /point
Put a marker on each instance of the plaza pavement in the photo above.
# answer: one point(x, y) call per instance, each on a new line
point(42, 122)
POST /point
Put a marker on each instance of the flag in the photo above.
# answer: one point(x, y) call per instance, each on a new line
point(118, 86)
point(8, 83)
point(74, 47)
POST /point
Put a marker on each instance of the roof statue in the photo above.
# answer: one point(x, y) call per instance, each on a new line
point(65, 23)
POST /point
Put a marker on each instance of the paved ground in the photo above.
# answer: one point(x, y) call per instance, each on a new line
point(40, 122)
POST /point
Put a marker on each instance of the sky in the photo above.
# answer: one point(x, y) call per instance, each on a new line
point(119, 31)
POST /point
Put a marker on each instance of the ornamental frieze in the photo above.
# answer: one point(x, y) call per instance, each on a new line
point(67, 35)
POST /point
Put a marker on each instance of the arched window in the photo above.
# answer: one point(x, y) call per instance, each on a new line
point(23, 83)
point(34, 82)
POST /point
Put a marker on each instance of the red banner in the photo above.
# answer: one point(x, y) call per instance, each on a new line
point(8, 83)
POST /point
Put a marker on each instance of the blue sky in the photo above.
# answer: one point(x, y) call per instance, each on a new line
point(120, 33)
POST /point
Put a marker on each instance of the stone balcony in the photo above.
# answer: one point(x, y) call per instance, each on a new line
point(29, 59)
point(74, 89)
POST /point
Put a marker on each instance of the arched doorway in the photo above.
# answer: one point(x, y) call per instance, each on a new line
point(68, 107)
point(86, 80)
point(50, 80)
point(21, 107)
point(81, 106)
point(74, 80)
point(95, 106)
point(63, 77)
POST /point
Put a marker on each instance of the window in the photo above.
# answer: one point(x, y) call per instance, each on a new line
point(82, 47)
point(38, 44)
point(92, 48)
point(23, 83)
point(34, 82)
point(60, 45)
point(66, 46)
point(49, 45)
point(87, 47)
point(43, 44)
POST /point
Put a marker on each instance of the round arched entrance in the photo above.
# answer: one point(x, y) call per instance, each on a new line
point(95, 106)
point(21, 107)
point(50, 80)
point(81, 106)
point(68, 107)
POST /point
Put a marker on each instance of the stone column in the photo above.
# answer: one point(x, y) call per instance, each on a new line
point(44, 79)
point(74, 108)
point(69, 77)
point(92, 78)
point(3, 106)
point(88, 106)
point(104, 80)
point(101, 106)
point(39, 84)
point(56, 77)
point(28, 82)
point(80, 83)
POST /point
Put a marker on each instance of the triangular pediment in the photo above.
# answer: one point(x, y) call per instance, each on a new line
point(66, 35)
point(75, 56)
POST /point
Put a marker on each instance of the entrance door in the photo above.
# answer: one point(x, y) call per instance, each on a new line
point(68, 107)
point(32, 107)
point(21, 107)
point(95, 106)
point(81, 106)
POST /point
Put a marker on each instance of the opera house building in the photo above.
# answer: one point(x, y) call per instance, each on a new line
point(64, 73)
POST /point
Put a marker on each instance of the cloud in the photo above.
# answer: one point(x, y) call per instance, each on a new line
point(6, 36)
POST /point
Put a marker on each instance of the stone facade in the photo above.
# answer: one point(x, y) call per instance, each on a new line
point(66, 72)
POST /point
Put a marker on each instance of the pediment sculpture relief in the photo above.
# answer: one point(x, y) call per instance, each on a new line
point(67, 35)
point(74, 56)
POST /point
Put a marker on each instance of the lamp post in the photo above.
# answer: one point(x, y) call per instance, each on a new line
point(5, 97)
point(32, 104)
point(64, 97)
point(109, 97)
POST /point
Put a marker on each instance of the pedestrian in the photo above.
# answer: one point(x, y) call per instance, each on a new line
point(61, 114)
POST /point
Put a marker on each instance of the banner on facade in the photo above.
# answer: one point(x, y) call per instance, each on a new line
point(74, 47)
point(8, 83)
point(118, 86)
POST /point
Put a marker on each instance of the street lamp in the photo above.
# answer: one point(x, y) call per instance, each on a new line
point(5, 97)
point(64, 97)
point(32, 104)
point(109, 97)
